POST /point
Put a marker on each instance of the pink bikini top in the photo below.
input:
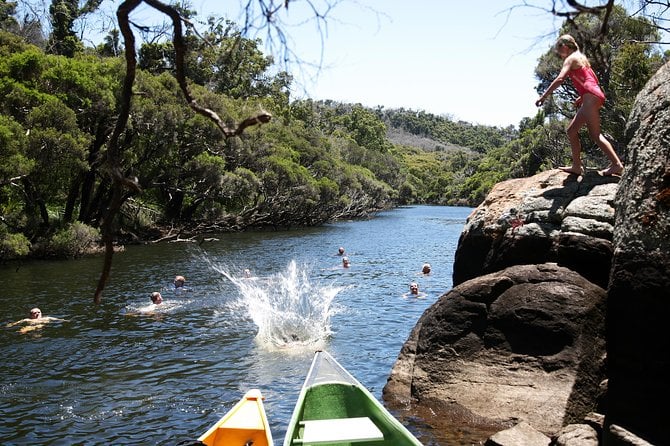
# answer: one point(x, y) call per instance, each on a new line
point(585, 81)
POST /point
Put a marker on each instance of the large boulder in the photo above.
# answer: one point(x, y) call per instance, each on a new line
point(638, 345)
point(525, 343)
point(549, 217)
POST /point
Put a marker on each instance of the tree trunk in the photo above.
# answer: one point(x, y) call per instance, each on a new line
point(173, 207)
point(89, 177)
point(72, 198)
point(33, 200)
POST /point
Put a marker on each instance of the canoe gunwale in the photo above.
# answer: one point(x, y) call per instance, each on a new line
point(246, 418)
point(327, 394)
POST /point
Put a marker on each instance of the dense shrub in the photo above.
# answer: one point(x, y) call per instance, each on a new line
point(74, 240)
point(13, 246)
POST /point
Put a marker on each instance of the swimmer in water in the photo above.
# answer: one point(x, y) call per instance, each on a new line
point(152, 308)
point(426, 269)
point(414, 291)
point(34, 321)
point(156, 298)
point(179, 281)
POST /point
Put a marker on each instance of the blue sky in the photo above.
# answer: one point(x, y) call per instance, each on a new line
point(470, 60)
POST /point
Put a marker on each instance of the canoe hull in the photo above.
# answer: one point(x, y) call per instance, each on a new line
point(334, 398)
point(244, 424)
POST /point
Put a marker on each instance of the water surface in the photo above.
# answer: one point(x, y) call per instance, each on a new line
point(120, 373)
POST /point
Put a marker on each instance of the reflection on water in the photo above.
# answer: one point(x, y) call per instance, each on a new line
point(124, 373)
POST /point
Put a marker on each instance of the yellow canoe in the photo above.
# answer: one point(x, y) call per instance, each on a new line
point(245, 424)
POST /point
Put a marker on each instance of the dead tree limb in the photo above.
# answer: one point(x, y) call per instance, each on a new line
point(120, 183)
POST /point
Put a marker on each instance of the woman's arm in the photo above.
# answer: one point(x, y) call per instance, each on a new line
point(567, 66)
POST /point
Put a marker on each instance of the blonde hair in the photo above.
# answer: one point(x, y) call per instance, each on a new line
point(569, 41)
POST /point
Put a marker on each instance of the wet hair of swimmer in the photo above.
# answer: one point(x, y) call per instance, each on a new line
point(179, 281)
point(156, 297)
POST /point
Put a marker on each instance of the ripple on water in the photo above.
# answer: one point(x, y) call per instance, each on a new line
point(109, 377)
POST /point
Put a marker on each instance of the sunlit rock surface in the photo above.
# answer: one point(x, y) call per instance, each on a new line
point(549, 217)
point(519, 340)
point(524, 343)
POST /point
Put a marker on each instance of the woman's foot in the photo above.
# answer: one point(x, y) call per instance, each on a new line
point(612, 171)
point(578, 170)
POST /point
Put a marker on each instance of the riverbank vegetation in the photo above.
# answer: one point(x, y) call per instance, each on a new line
point(313, 162)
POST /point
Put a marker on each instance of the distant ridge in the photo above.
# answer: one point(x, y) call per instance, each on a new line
point(402, 137)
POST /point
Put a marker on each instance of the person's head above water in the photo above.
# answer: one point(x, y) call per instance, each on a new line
point(156, 297)
point(340, 250)
point(35, 313)
point(414, 288)
point(346, 262)
point(179, 281)
point(426, 268)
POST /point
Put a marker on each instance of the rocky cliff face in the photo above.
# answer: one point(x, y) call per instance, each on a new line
point(550, 217)
point(525, 342)
point(522, 334)
point(638, 345)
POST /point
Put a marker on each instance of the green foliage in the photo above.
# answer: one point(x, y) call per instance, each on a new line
point(57, 147)
point(63, 38)
point(316, 161)
point(239, 189)
point(7, 11)
point(15, 166)
point(366, 129)
point(223, 61)
point(11, 43)
point(14, 162)
point(73, 241)
point(111, 45)
point(631, 69)
point(478, 138)
point(13, 246)
point(26, 66)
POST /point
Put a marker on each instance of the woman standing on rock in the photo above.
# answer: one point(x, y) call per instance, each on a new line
point(591, 98)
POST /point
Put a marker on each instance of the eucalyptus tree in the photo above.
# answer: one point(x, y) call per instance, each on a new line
point(111, 45)
point(15, 166)
point(64, 106)
point(7, 20)
point(222, 60)
point(63, 14)
point(124, 185)
point(654, 11)
point(63, 39)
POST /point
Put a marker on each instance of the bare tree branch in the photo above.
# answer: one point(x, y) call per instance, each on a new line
point(120, 183)
point(657, 11)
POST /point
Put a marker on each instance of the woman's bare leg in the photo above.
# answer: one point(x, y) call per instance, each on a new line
point(591, 113)
point(576, 147)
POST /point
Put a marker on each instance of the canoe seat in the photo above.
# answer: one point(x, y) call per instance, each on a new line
point(345, 430)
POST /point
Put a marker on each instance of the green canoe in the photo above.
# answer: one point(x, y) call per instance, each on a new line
point(333, 408)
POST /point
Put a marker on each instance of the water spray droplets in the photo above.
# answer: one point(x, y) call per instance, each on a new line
point(288, 308)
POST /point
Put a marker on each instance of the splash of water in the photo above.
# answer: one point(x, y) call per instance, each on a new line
point(287, 307)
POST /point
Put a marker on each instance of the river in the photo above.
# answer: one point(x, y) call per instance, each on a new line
point(125, 372)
